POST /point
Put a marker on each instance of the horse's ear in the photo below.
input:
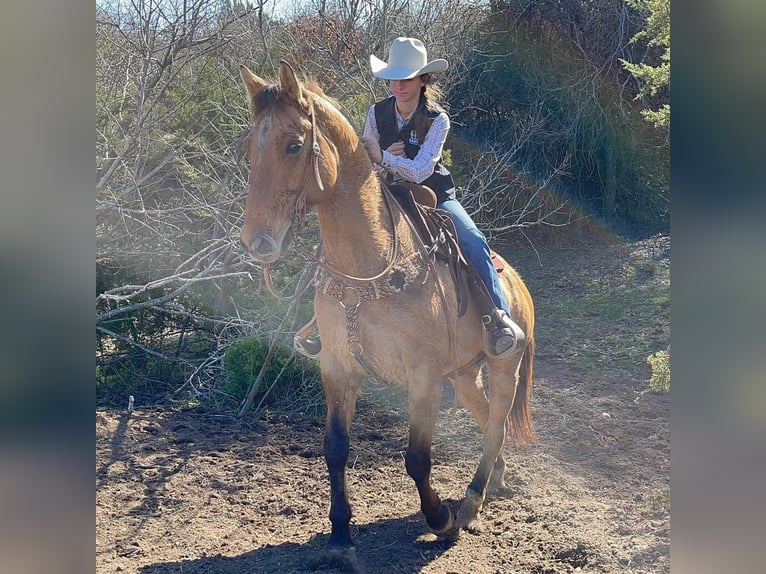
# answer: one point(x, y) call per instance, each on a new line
point(291, 85)
point(253, 83)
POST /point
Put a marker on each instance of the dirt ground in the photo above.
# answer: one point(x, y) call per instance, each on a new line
point(198, 492)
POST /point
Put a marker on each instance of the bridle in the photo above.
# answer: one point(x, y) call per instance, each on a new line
point(299, 213)
point(299, 217)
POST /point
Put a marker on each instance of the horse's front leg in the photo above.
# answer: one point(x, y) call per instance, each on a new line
point(341, 395)
point(424, 402)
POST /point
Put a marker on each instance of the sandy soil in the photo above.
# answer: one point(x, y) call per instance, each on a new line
point(200, 492)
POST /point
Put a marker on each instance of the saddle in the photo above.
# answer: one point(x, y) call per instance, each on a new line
point(437, 232)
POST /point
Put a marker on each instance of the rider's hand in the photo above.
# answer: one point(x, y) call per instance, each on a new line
point(396, 148)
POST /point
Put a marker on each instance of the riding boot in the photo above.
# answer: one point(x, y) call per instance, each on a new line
point(306, 341)
point(502, 336)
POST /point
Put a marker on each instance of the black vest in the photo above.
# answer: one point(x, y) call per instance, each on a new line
point(413, 134)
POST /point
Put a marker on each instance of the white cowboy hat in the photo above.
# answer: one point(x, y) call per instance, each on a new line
point(407, 59)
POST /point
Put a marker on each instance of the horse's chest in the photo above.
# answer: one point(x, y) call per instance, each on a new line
point(407, 273)
point(385, 313)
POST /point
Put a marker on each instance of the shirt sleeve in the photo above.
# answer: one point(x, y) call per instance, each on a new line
point(371, 132)
point(423, 164)
point(371, 126)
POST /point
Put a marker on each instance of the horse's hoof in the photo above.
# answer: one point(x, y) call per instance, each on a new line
point(470, 508)
point(449, 531)
point(497, 485)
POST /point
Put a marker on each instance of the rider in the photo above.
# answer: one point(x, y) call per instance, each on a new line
point(404, 135)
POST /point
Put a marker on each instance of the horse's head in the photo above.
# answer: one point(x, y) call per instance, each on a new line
point(292, 164)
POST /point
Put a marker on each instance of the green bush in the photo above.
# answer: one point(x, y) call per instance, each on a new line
point(290, 380)
point(660, 363)
point(571, 126)
point(145, 352)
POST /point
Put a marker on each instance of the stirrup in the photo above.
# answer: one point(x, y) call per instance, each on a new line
point(502, 336)
point(306, 345)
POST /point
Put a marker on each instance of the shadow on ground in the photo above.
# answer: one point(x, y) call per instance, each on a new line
point(379, 545)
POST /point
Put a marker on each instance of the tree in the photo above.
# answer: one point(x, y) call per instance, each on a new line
point(654, 78)
point(547, 75)
point(172, 285)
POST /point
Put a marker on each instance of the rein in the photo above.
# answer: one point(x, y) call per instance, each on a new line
point(306, 279)
point(391, 258)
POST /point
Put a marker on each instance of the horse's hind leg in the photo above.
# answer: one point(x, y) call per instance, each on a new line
point(497, 478)
point(501, 399)
point(470, 393)
point(424, 401)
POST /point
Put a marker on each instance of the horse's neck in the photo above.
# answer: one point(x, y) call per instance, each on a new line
point(356, 228)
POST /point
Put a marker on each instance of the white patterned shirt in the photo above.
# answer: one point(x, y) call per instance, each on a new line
point(420, 168)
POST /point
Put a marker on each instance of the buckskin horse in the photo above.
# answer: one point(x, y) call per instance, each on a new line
point(382, 306)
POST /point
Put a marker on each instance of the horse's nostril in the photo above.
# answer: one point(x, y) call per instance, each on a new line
point(260, 246)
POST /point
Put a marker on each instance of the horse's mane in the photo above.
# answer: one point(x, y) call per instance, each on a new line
point(346, 130)
point(274, 96)
point(312, 85)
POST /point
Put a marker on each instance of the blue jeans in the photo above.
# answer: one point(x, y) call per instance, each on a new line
point(475, 249)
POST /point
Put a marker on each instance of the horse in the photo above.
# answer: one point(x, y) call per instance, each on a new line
point(382, 305)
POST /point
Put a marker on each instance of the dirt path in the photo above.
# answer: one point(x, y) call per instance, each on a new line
point(198, 492)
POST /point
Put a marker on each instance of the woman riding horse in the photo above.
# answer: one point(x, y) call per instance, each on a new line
point(381, 303)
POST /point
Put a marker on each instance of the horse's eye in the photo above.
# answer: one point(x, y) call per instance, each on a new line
point(293, 148)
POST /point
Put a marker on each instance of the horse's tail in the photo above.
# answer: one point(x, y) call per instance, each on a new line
point(520, 417)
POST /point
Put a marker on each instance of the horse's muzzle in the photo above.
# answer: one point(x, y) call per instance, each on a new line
point(264, 248)
point(261, 247)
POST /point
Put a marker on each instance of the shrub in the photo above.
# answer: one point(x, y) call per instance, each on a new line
point(290, 380)
point(660, 363)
